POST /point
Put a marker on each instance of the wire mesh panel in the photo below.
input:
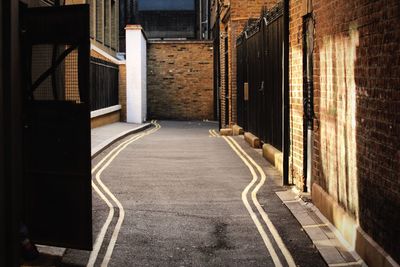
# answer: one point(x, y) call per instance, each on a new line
point(61, 82)
point(71, 78)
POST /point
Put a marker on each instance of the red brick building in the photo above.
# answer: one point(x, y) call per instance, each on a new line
point(344, 112)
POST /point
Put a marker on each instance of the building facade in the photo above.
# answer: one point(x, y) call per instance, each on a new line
point(166, 20)
point(343, 106)
point(179, 57)
point(227, 20)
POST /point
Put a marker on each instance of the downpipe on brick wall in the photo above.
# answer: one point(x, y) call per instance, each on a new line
point(309, 158)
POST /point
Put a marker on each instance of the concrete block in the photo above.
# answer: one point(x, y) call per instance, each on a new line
point(253, 140)
point(365, 246)
point(237, 130)
point(226, 132)
point(373, 254)
point(274, 156)
point(105, 119)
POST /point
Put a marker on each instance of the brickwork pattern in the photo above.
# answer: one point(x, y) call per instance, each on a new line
point(180, 80)
point(95, 54)
point(222, 75)
point(296, 93)
point(357, 104)
point(122, 90)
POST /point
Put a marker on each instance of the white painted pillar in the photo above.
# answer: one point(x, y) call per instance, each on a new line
point(136, 76)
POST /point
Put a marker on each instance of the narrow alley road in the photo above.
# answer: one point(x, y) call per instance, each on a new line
point(179, 195)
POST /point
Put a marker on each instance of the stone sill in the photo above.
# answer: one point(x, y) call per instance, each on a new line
point(177, 41)
point(104, 111)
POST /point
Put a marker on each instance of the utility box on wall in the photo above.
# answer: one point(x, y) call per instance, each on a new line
point(136, 74)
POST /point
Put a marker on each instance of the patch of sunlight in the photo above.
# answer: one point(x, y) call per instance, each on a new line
point(338, 117)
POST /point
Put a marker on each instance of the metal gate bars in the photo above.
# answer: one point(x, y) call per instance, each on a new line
point(260, 78)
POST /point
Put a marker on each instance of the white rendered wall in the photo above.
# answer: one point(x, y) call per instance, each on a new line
point(136, 83)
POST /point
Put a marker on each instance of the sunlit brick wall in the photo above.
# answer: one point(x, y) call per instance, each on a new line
point(357, 104)
point(122, 90)
point(180, 80)
point(296, 92)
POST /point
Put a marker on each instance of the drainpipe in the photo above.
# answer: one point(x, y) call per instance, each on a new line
point(286, 103)
point(200, 20)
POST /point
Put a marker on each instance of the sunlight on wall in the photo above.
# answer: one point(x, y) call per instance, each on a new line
point(338, 117)
point(296, 115)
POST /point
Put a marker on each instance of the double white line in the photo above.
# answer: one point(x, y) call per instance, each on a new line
point(213, 133)
point(252, 165)
point(108, 197)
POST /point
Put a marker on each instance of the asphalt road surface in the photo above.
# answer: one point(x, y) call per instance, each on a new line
point(175, 195)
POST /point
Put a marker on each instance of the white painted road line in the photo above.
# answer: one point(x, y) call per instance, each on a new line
point(216, 134)
point(121, 217)
point(100, 238)
point(264, 215)
point(253, 216)
point(103, 231)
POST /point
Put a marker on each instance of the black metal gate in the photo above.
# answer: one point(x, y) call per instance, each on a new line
point(217, 74)
point(104, 88)
point(260, 68)
point(57, 157)
point(226, 71)
point(242, 84)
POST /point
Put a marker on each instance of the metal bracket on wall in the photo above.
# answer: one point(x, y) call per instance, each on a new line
point(246, 91)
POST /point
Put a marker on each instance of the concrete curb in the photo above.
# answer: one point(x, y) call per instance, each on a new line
point(107, 143)
point(333, 248)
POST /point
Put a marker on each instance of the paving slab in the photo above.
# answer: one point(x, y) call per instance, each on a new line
point(329, 243)
point(104, 136)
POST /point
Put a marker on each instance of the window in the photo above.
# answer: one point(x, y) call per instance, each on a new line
point(114, 29)
point(99, 20)
point(107, 22)
point(171, 5)
point(168, 18)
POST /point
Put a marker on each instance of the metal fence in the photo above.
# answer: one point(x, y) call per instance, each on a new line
point(260, 77)
point(103, 84)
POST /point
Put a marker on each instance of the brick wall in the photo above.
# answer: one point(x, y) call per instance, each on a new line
point(180, 80)
point(224, 30)
point(122, 90)
point(296, 92)
point(357, 104)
